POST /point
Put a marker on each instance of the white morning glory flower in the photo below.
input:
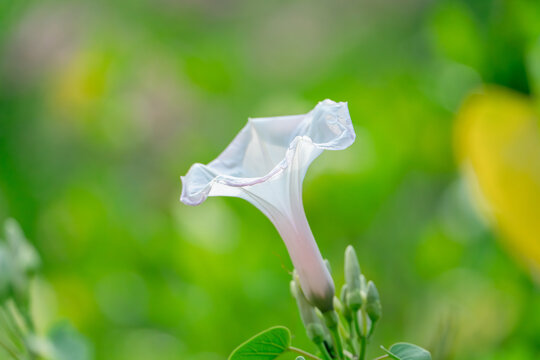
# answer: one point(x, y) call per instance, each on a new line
point(265, 164)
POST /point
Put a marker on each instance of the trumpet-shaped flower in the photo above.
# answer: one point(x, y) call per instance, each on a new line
point(265, 164)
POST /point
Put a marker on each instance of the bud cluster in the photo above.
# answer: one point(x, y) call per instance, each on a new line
point(19, 337)
point(18, 263)
point(342, 332)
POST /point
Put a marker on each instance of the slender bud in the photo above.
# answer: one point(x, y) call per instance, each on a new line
point(347, 313)
point(314, 327)
point(363, 284)
point(373, 304)
point(352, 269)
point(354, 300)
point(343, 295)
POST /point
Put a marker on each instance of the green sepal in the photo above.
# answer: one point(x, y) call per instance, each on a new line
point(316, 333)
point(354, 300)
point(331, 319)
point(315, 329)
point(373, 302)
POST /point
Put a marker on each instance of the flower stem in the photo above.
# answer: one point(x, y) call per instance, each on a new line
point(14, 313)
point(362, 348)
point(324, 351)
point(303, 353)
point(9, 350)
point(350, 344)
point(331, 319)
point(356, 326)
point(363, 338)
point(337, 341)
point(9, 328)
point(8, 312)
point(350, 334)
point(361, 333)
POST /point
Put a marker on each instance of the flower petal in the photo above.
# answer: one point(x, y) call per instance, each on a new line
point(265, 164)
point(265, 147)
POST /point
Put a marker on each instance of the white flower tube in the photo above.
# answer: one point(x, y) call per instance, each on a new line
point(265, 164)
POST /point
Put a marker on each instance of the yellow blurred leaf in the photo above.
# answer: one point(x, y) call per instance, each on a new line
point(82, 83)
point(497, 137)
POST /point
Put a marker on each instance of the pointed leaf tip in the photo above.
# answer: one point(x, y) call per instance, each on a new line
point(407, 351)
point(266, 345)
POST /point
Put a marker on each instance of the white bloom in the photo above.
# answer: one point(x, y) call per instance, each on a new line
point(265, 164)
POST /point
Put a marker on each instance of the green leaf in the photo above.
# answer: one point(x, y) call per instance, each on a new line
point(406, 351)
point(266, 345)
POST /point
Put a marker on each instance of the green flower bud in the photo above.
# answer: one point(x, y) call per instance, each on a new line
point(352, 270)
point(343, 294)
point(363, 284)
point(373, 304)
point(347, 314)
point(354, 300)
point(331, 319)
point(316, 333)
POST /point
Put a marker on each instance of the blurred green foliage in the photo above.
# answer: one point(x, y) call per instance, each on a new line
point(104, 104)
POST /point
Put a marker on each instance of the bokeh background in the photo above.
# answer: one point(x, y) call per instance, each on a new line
point(104, 104)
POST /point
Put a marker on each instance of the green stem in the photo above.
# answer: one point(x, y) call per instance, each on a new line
point(324, 351)
point(12, 310)
point(351, 345)
point(364, 336)
point(337, 341)
point(303, 353)
point(361, 333)
point(346, 333)
point(13, 321)
point(353, 335)
point(9, 328)
point(382, 357)
point(371, 328)
point(357, 326)
point(9, 350)
point(362, 348)
point(25, 315)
